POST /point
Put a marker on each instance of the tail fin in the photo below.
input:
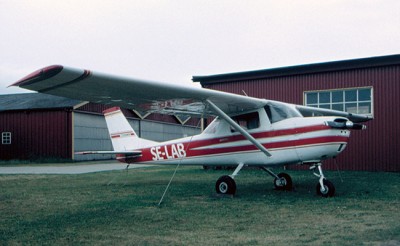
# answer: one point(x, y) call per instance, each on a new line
point(122, 135)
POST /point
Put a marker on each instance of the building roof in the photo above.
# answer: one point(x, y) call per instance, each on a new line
point(31, 101)
point(301, 69)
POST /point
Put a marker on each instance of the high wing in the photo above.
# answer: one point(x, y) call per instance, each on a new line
point(149, 96)
point(140, 95)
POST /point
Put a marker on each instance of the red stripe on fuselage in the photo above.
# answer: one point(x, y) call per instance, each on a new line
point(270, 146)
point(259, 135)
point(192, 148)
point(267, 134)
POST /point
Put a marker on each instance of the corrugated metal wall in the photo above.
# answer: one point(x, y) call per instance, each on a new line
point(372, 150)
point(90, 133)
point(159, 131)
point(36, 134)
point(47, 134)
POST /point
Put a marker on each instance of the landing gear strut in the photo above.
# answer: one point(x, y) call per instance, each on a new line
point(227, 185)
point(324, 188)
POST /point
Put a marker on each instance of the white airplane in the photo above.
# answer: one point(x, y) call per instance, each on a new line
point(247, 131)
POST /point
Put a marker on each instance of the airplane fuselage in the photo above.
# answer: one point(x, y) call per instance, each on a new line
point(291, 141)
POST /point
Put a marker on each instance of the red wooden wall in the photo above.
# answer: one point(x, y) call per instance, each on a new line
point(375, 149)
point(44, 134)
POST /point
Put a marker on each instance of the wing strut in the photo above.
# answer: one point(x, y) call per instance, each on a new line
point(231, 122)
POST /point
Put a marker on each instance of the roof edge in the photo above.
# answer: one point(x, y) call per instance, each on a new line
point(35, 101)
point(368, 62)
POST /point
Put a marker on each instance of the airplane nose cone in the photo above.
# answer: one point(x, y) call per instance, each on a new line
point(349, 124)
point(345, 124)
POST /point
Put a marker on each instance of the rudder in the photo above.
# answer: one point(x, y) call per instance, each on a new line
point(122, 135)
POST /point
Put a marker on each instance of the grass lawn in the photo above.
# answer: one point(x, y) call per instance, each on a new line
point(121, 208)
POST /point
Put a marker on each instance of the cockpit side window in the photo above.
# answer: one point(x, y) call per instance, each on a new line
point(280, 112)
point(248, 121)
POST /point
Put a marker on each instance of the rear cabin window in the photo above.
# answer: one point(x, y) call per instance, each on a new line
point(247, 121)
point(212, 128)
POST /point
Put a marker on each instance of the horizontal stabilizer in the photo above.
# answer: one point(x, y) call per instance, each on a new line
point(134, 153)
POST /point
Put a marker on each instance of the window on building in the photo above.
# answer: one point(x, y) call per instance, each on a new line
point(354, 100)
point(6, 138)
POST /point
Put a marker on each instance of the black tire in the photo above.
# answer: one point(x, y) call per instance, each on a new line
point(329, 189)
point(226, 185)
point(284, 182)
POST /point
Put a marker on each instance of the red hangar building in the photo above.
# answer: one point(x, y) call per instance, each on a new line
point(41, 127)
point(368, 86)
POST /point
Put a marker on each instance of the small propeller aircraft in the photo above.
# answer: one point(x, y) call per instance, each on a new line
point(246, 131)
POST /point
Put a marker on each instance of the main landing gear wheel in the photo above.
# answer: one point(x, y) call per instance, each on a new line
point(284, 182)
point(226, 185)
point(328, 190)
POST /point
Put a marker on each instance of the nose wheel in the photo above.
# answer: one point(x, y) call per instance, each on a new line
point(325, 188)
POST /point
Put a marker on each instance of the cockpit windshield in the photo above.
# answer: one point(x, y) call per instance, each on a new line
point(277, 112)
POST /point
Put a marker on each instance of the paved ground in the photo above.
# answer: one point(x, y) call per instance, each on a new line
point(78, 168)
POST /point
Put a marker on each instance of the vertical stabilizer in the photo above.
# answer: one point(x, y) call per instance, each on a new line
point(122, 135)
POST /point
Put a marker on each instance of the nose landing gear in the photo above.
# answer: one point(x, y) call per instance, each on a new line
point(325, 188)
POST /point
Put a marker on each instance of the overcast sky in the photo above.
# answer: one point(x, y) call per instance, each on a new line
point(173, 40)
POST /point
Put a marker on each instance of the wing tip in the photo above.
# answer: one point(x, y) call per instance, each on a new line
point(111, 110)
point(41, 74)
